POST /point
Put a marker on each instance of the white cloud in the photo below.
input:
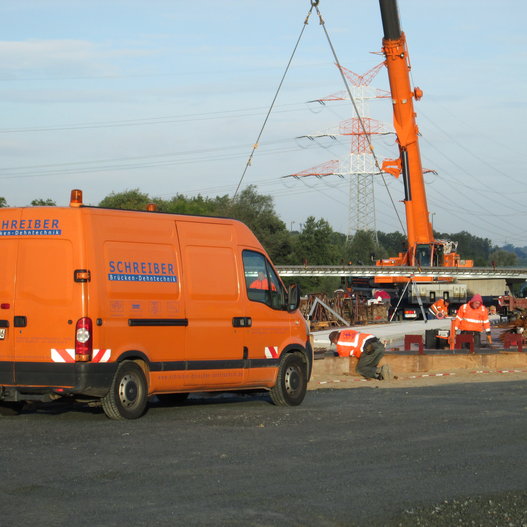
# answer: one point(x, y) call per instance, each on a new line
point(61, 57)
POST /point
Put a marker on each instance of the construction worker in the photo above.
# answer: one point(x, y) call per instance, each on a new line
point(262, 283)
point(473, 318)
point(439, 309)
point(367, 349)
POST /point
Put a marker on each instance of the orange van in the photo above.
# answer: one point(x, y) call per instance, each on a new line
point(117, 306)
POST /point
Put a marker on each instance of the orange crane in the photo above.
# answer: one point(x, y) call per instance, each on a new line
point(423, 249)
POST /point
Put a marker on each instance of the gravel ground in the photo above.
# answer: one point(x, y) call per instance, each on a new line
point(444, 455)
point(504, 510)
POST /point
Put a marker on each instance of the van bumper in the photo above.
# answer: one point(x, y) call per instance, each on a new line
point(79, 378)
point(93, 379)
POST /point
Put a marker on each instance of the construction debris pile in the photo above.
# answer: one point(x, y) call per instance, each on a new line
point(324, 312)
point(517, 325)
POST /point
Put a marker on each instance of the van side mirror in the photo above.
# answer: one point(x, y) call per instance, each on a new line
point(293, 298)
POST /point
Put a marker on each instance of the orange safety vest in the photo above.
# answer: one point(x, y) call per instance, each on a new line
point(262, 284)
point(470, 319)
point(351, 342)
point(438, 309)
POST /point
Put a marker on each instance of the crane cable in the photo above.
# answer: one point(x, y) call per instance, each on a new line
point(314, 4)
point(322, 23)
point(255, 146)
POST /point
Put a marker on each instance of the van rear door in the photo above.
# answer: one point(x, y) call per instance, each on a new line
point(45, 308)
point(8, 258)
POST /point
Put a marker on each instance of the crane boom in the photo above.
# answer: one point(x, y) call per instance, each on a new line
point(398, 66)
point(423, 249)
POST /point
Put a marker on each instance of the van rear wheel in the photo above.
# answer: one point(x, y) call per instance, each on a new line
point(128, 396)
point(291, 382)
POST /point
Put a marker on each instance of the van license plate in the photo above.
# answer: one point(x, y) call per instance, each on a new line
point(2, 333)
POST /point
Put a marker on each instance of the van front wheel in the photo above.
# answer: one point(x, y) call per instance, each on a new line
point(291, 382)
point(128, 397)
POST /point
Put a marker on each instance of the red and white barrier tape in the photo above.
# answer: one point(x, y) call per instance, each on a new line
point(424, 375)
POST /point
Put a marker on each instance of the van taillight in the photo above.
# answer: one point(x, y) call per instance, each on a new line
point(83, 339)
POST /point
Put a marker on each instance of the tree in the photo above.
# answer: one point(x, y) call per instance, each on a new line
point(198, 206)
point(520, 252)
point(257, 211)
point(318, 244)
point(129, 199)
point(3, 202)
point(391, 244)
point(470, 247)
point(362, 249)
point(501, 258)
point(43, 203)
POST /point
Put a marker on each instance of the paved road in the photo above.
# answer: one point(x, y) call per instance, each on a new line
point(436, 455)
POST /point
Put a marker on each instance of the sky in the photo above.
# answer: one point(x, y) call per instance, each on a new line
point(170, 96)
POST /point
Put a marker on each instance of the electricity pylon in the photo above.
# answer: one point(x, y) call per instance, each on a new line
point(360, 166)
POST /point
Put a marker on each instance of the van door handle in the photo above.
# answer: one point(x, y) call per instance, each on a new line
point(20, 322)
point(242, 322)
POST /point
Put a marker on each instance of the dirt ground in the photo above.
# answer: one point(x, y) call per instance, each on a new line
point(409, 380)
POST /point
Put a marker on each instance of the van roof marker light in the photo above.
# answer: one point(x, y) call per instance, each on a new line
point(76, 198)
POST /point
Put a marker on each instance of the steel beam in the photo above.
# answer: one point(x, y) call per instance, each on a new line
point(374, 270)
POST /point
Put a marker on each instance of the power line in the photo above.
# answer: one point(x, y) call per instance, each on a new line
point(167, 119)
